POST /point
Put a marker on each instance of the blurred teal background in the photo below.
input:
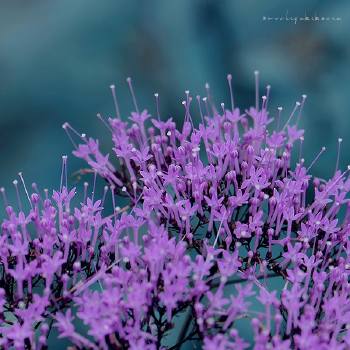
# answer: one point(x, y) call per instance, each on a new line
point(58, 58)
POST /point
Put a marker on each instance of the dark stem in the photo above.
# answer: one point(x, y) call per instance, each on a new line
point(183, 332)
point(240, 280)
point(184, 329)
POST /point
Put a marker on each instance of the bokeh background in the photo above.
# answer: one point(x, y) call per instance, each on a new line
point(58, 58)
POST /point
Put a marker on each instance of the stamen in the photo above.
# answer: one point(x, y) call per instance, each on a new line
point(99, 116)
point(268, 88)
point(200, 108)
point(263, 105)
point(297, 104)
point(86, 184)
point(105, 190)
point(68, 126)
point(315, 160)
point(218, 234)
point(15, 183)
point(137, 201)
point(256, 73)
point(184, 104)
point(132, 94)
point(64, 172)
point(340, 140)
point(189, 114)
point(25, 188)
point(35, 187)
point(65, 128)
point(112, 187)
point(301, 146)
point(229, 79)
point(210, 100)
point(301, 108)
point(94, 186)
point(156, 95)
point(187, 108)
point(187, 93)
point(4, 197)
point(207, 88)
point(116, 106)
point(222, 107)
point(338, 179)
point(280, 109)
point(205, 100)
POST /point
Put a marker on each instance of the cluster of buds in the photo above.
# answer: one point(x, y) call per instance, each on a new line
point(216, 215)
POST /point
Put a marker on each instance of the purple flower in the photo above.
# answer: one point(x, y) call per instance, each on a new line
point(64, 324)
point(193, 221)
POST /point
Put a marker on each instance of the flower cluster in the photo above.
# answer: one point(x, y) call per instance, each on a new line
point(215, 213)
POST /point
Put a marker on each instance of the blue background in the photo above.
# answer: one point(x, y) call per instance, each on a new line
point(58, 58)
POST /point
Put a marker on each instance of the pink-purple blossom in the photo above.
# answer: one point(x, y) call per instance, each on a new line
point(214, 212)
